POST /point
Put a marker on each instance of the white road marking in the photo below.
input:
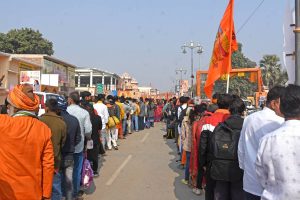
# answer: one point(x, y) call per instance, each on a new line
point(145, 137)
point(118, 171)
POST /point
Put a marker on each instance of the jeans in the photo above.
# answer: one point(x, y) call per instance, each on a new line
point(187, 166)
point(141, 123)
point(67, 178)
point(136, 122)
point(124, 126)
point(78, 161)
point(225, 190)
point(250, 196)
point(151, 121)
point(56, 187)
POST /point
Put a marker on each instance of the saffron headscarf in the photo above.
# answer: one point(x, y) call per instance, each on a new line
point(22, 97)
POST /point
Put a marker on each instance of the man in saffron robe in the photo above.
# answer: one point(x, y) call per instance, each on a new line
point(26, 151)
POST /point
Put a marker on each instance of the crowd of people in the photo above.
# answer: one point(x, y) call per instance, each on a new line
point(44, 157)
point(224, 153)
point(227, 155)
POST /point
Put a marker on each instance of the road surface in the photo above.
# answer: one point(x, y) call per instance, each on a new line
point(144, 168)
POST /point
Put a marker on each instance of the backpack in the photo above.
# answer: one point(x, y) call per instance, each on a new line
point(223, 149)
point(181, 116)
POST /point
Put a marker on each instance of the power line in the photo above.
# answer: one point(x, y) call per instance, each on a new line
point(250, 16)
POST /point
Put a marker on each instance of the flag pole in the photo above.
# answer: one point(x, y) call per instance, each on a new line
point(227, 85)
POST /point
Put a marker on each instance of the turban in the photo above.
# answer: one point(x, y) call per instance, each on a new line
point(22, 97)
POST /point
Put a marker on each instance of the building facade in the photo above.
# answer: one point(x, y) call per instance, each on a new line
point(10, 68)
point(96, 81)
point(52, 65)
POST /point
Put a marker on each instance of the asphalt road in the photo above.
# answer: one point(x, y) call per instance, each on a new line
point(144, 168)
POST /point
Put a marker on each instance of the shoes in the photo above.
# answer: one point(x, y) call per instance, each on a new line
point(116, 148)
point(96, 174)
point(197, 191)
point(185, 182)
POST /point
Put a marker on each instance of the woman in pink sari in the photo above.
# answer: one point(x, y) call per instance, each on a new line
point(158, 111)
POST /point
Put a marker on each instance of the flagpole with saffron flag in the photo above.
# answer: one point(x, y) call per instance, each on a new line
point(225, 44)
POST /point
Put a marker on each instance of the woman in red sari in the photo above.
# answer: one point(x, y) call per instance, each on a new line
point(201, 114)
point(158, 111)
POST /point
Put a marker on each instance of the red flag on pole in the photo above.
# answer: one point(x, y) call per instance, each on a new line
point(225, 44)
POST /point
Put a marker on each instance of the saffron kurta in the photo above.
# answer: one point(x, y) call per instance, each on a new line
point(27, 161)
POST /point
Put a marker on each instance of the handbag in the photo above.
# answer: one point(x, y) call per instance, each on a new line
point(113, 121)
point(86, 173)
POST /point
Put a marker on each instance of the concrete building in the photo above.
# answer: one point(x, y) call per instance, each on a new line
point(129, 83)
point(86, 79)
point(10, 68)
point(52, 65)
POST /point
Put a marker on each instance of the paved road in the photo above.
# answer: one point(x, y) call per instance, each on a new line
point(144, 168)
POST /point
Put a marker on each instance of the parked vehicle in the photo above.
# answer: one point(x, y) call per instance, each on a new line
point(44, 96)
point(249, 107)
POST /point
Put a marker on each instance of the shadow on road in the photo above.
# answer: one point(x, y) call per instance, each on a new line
point(182, 192)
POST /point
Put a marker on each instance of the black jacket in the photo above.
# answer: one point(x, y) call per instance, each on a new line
point(73, 135)
point(96, 127)
point(223, 147)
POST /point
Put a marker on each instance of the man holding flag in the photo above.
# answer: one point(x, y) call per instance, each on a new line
point(225, 44)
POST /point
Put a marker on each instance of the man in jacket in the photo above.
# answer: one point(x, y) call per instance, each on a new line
point(73, 139)
point(29, 158)
point(220, 115)
point(225, 167)
point(256, 126)
point(83, 118)
point(59, 131)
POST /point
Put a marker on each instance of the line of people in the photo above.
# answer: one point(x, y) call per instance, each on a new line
point(45, 157)
point(230, 156)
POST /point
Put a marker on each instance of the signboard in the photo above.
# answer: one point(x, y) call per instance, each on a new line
point(29, 77)
point(50, 79)
point(99, 88)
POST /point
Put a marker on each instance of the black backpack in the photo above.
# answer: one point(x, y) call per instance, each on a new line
point(224, 165)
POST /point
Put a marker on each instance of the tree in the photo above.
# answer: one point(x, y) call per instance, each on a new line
point(271, 71)
point(238, 85)
point(239, 60)
point(25, 41)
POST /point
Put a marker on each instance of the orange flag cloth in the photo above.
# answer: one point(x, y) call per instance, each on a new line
point(225, 44)
point(22, 97)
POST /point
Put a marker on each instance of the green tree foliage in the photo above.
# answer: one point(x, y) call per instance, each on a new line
point(272, 73)
point(238, 85)
point(239, 60)
point(25, 41)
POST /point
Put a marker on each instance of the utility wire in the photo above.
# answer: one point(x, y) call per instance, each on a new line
point(250, 16)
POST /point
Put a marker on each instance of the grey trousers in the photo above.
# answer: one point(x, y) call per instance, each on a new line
point(67, 179)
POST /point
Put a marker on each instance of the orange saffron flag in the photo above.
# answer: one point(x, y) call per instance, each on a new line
point(225, 44)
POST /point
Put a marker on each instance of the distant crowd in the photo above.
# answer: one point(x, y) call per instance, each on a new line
point(230, 156)
point(56, 155)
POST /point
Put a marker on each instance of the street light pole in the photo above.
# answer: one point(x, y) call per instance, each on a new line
point(181, 70)
point(192, 46)
point(297, 44)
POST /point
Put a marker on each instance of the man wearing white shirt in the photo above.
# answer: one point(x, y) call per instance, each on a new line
point(102, 111)
point(254, 128)
point(278, 158)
